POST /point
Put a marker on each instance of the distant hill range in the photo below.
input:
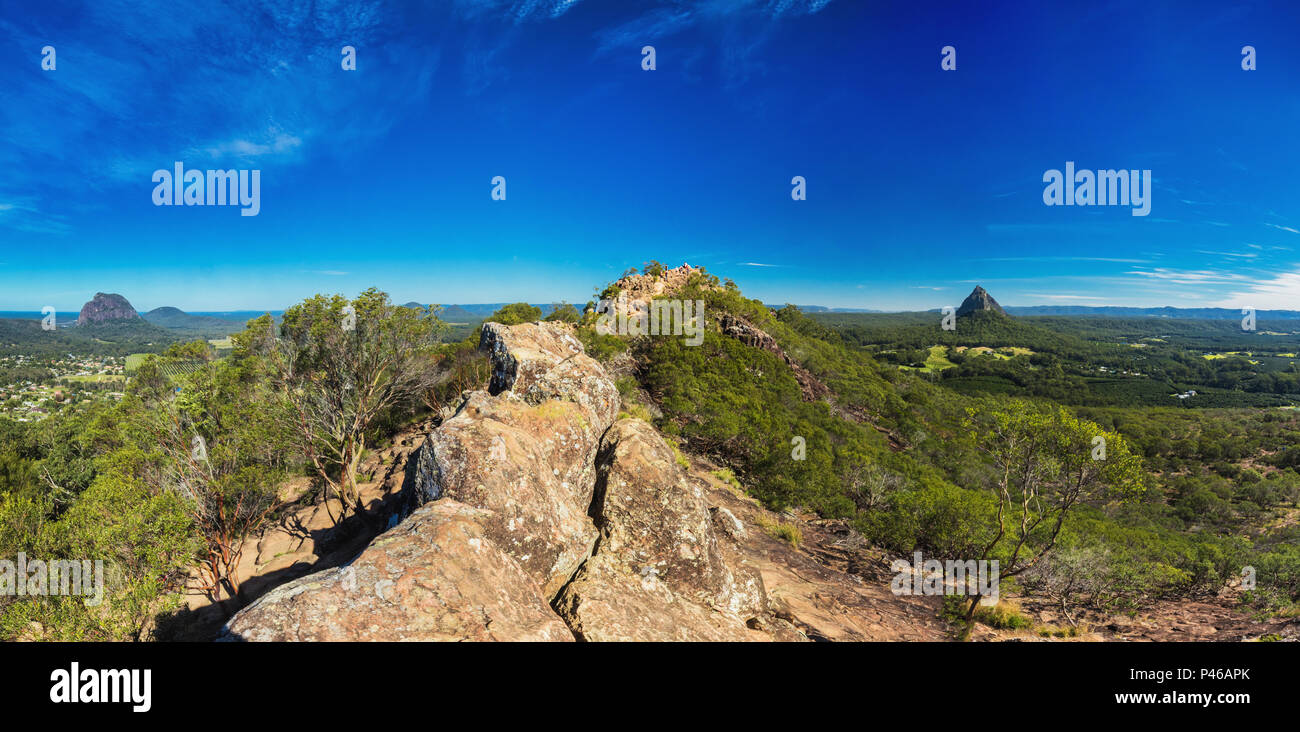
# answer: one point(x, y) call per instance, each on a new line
point(1084, 311)
point(169, 317)
point(824, 309)
point(458, 314)
point(113, 308)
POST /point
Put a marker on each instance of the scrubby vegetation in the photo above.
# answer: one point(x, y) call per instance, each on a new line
point(1183, 502)
point(173, 478)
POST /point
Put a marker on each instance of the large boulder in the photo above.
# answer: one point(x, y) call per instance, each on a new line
point(437, 576)
point(510, 477)
point(531, 466)
point(659, 571)
point(527, 449)
point(541, 362)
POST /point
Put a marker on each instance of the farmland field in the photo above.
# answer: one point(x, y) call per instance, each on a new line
point(135, 360)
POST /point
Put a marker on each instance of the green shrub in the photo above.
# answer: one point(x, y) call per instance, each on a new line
point(787, 532)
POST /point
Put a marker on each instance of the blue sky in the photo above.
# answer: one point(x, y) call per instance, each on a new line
point(920, 182)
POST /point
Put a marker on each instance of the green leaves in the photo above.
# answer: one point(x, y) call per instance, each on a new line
point(516, 313)
point(339, 368)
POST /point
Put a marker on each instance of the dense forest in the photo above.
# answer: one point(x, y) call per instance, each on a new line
point(1089, 361)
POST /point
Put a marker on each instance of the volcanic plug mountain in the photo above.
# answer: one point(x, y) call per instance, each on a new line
point(979, 300)
point(105, 307)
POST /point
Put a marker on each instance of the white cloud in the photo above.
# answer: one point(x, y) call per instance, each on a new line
point(1183, 277)
point(274, 142)
point(1281, 292)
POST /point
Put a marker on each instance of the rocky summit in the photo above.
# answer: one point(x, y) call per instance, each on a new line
point(106, 307)
point(546, 516)
point(979, 300)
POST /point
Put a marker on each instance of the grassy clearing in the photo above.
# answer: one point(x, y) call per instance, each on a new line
point(93, 378)
point(1230, 354)
point(936, 361)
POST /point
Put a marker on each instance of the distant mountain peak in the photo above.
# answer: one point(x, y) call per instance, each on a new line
point(105, 307)
point(979, 300)
point(170, 317)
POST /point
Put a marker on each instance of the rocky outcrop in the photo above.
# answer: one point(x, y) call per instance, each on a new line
point(541, 362)
point(105, 307)
point(979, 300)
point(659, 570)
point(810, 387)
point(545, 520)
point(438, 576)
point(515, 468)
point(526, 448)
point(645, 287)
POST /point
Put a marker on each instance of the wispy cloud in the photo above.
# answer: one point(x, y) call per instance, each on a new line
point(1235, 255)
point(118, 118)
point(1195, 277)
point(517, 10)
point(1059, 259)
point(23, 214)
point(741, 28)
point(1278, 292)
point(1284, 228)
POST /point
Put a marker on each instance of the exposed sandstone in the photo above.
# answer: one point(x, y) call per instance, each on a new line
point(437, 576)
point(659, 572)
point(520, 462)
point(527, 450)
point(646, 287)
